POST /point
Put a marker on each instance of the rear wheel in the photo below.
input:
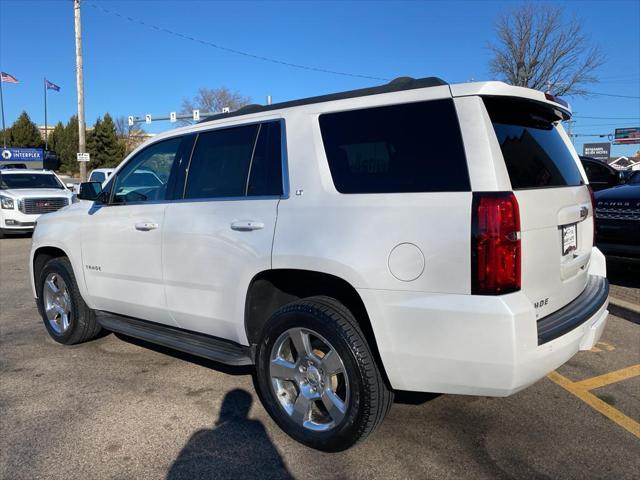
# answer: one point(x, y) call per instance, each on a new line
point(317, 377)
point(65, 315)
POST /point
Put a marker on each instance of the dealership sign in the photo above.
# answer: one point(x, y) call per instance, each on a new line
point(599, 151)
point(22, 155)
point(627, 136)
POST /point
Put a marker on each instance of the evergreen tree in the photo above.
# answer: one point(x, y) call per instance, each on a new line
point(103, 144)
point(67, 147)
point(56, 137)
point(24, 133)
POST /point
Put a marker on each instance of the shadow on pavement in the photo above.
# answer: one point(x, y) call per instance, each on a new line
point(236, 447)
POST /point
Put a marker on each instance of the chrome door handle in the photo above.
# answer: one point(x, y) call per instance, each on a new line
point(146, 226)
point(247, 225)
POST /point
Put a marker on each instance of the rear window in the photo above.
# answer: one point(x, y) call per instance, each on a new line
point(535, 154)
point(415, 147)
point(97, 177)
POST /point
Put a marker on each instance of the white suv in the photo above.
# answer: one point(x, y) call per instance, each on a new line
point(27, 194)
point(415, 236)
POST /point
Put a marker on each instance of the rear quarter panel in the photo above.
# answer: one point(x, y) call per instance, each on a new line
point(352, 235)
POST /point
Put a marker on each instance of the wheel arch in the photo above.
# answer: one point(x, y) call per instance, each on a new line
point(40, 257)
point(271, 289)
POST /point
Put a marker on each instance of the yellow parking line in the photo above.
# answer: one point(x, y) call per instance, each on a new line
point(598, 405)
point(607, 378)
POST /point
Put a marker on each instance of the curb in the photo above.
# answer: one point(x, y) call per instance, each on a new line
point(623, 309)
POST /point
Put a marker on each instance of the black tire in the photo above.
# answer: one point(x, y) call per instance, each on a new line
point(82, 321)
point(2, 234)
point(370, 399)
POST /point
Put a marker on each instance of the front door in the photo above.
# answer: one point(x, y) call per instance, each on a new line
point(122, 237)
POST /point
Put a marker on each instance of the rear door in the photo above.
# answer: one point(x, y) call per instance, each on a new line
point(220, 235)
point(556, 214)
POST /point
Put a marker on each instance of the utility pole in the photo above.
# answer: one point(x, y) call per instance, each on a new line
point(80, 86)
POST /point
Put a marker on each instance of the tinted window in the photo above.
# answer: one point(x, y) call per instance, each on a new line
point(145, 177)
point(97, 177)
point(29, 180)
point(220, 163)
point(535, 154)
point(597, 173)
point(266, 166)
point(414, 147)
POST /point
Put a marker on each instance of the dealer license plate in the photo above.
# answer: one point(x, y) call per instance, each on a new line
point(569, 239)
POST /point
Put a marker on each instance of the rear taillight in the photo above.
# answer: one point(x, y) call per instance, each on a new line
point(495, 243)
point(593, 211)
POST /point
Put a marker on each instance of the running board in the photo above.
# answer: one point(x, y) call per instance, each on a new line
point(216, 349)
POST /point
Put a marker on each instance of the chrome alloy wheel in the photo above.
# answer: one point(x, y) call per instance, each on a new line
point(57, 303)
point(309, 379)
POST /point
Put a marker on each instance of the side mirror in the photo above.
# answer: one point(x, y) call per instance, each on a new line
point(90, 191)
point(69, 186)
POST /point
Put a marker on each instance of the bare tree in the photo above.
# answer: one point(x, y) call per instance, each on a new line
point(129, 135)
point(537, 49)
point(214, 100)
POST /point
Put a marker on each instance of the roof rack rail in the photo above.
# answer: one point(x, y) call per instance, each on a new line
point(395, 85)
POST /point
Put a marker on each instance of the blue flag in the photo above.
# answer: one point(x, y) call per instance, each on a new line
point(51, 86)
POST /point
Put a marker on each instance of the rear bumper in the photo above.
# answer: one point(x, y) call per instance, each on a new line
point(477, 345)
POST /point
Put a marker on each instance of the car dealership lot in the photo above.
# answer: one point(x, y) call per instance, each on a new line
point(116, 409)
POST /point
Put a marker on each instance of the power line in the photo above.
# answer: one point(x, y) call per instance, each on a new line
point(612, 95)
point(231, 50)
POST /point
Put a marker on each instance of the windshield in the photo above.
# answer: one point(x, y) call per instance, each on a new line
point(29, 180)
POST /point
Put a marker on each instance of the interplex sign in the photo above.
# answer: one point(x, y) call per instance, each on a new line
point(599, 151)
point(22, 154)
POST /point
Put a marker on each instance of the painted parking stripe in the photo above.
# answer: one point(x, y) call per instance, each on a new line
point(608, 378)
point(594, 402)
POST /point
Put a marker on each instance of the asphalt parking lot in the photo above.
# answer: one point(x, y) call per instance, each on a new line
point(113, 409)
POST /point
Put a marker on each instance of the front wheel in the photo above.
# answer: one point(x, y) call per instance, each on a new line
point(65, 315)
point(316, 375)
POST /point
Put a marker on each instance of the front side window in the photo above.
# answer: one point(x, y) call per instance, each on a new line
point(146, 176)
point(414, 147)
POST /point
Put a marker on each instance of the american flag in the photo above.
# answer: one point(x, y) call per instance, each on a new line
point(7, 78)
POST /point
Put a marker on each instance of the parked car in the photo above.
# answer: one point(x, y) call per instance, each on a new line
point(618, 219)
point(25, 195)
point(600, 174)
point(414, 236)
point(100, 174)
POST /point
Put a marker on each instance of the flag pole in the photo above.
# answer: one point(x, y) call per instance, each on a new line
point(4, 130)
point(46, 138)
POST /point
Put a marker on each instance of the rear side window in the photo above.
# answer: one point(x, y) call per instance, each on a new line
point(415, 147)
point(220, 163)
point(266, 166)
point(535, 154)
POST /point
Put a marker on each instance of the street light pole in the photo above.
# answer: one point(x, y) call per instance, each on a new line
point(80, 86)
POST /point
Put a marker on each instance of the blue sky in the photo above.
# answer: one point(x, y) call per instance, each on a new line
point(131, 69)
